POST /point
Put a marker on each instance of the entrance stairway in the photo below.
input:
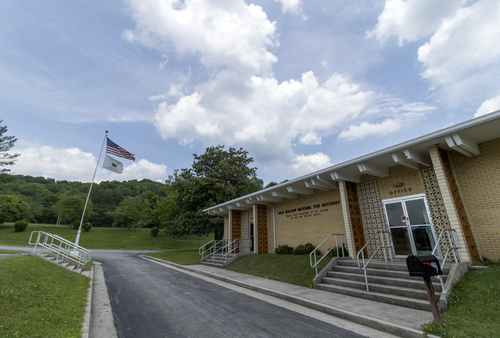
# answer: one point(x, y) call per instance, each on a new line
point(218, 260)
point(388, 283)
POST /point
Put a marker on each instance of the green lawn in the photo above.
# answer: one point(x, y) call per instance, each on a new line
point(105, 238)
point(474, 306)
point(293, 269)
point(9, 252)
point(39, 299)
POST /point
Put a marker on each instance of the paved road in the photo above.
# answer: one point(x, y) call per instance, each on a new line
point(150, 300)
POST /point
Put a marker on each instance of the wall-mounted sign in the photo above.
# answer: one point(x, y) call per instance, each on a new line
point(400, 191)
point(308, 211)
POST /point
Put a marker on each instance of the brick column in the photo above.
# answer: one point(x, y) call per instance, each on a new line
point(449, 203)
point(349, 236)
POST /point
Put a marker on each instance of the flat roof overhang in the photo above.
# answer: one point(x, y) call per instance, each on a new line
point(463, 137)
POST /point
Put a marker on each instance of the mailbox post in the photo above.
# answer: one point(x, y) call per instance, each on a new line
point(426, 266)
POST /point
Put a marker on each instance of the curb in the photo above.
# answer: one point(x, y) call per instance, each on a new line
point(374, 323)
point(87, 317)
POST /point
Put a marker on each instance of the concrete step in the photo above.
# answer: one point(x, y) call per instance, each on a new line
point(399, 274)
point(393, 281)
point(380, 288)
point(380, 264)
point(212, 264)
point(376, 296)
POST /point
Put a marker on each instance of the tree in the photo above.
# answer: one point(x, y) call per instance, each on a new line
point(132, 210)
point(215, 177)
point(70, 208)
point(6, 142)
point(12, 208)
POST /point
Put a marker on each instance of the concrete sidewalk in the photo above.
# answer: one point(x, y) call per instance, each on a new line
point(395, 320)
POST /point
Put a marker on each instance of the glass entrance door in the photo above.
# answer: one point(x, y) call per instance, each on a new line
point(409, 223)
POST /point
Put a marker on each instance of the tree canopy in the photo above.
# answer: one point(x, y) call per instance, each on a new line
point(12, 208)
point(6, 142)
point(215, 177)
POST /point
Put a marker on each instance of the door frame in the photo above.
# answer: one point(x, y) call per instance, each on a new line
point(402, 199)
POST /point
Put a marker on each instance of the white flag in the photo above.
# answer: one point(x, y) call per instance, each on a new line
point(112, 164)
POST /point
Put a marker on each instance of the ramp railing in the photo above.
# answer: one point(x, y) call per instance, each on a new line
point(224, 246)
point(62, 248)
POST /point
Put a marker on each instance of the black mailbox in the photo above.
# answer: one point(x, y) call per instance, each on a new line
point(423, 266)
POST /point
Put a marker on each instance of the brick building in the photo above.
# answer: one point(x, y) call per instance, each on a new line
point(449, 179)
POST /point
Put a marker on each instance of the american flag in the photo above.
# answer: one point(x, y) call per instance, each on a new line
point(115, 149)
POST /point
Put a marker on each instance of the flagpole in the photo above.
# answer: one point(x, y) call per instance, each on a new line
point(91, 184)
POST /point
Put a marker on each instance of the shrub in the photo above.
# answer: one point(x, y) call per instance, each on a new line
point(283, 250)
point(86, 226)
point(20, 226)
point(333, 253)
point(154, 231)
point(76, 225)
point(305, 249)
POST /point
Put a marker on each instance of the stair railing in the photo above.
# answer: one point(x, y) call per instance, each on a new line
point(454, 248)
point(231, 247)
point(211, 247)
point(341, 247)
point(62, 248)
point(386, 243)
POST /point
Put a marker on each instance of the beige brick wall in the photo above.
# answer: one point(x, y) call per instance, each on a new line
point(301, 226)
point(478, 180)
point(398, 174)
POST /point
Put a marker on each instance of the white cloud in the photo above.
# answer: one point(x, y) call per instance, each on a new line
point(174, 90)
point(465, 47)
point(221, 33)
point(488, 106)
point(304, 164)
point(72, 164)
point(291, 6)
point(262, 115)
point(413, 19)
point(367, 129)
point(402, 114)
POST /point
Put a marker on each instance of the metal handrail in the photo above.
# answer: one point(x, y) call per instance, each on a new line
point(342, 246)
point(62, 248)
point(234, 248)
point(225, 246)
point(454, 248)
point(215, 247)
point(390, 246)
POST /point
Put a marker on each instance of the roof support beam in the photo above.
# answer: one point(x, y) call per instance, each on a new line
point(401, 159)
point(262, 198)
point(373, 169)
point(343, 176)
point(284, 194)
point(467, 146)
point(300, 190)
point(415, 156)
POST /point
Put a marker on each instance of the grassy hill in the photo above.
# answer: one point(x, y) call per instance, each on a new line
point(105, 238)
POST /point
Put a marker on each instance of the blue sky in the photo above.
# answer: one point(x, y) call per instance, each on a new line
point(299, 84)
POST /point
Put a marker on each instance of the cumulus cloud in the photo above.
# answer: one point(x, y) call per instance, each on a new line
point(304, 164)
point(488, 106)
point(222, 33)
point(73, 164)
point(291, 6)
point(411, 20)
point(262, 115)
point(463, 45)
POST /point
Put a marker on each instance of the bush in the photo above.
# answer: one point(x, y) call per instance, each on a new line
point(20, 226)
point(154, 231)
point(305, 249)
point(86, 226)
point(283, 250)
point(76, 225)
point(333, 253)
